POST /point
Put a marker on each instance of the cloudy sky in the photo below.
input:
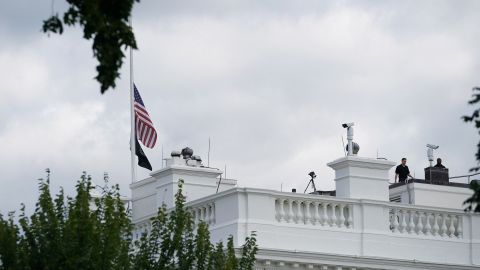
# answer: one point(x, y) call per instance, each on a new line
point(268, 81)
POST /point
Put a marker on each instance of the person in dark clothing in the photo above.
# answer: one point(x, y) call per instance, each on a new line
point(402, 171)
point(439, 164)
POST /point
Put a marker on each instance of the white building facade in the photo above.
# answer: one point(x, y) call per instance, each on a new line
point(359, 228)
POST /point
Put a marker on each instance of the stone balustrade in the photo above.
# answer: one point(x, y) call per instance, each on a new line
point(315, 212)
point(204, 212)
point(141, 228)
point(418, 221)
point(349, 227)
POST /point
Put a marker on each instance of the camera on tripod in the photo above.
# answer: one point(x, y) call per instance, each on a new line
point(312, 175)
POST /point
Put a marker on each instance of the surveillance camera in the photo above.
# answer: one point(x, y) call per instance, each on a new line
point(432, 146)
point(347, 125)
point(312, 174)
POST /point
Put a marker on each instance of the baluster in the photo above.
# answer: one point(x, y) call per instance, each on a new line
point(281, 212)
point(333, 217)
point(277, 209)
point(350, 216)
point(200, 214)
point(295, 211)
point(428, 228)
point(205, 214)
point(290, 211)
point(212, 213)
point(419, 223)
point(199, 211)
point(197, 216)
point(208, 213)
point(316, 216)
point(444, 225)
point(436, 228)
point(451, 228)
point(341, 220)
point(411, 223)
point(459, 227)
point(299, 216)
point(308, 216)
point(403, 223)
point(394, 221)
point(324, 214)
point(192, 213)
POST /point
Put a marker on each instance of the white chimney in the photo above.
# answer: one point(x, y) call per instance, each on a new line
point(199, 181)
point(362, 178)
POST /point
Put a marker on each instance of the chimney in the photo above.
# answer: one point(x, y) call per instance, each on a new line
point(160, 188)
point(362, 178)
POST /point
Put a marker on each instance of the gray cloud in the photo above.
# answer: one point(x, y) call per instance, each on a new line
point(269, 82)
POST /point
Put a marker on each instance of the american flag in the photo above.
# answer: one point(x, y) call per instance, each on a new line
point(145, 130)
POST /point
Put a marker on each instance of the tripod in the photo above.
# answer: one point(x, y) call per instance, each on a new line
point(312, 175)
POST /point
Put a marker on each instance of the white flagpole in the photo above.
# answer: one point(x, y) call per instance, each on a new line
point(132, 116)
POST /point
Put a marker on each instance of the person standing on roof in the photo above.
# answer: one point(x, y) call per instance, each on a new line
point(439, 164)
point(402, 172)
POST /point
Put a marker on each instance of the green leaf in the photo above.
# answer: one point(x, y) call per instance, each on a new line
point(107, 23)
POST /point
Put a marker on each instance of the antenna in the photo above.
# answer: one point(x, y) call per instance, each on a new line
point(208, 156)
point(343, 147)
point(225, 171)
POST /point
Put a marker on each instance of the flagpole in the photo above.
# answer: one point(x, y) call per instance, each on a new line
point(132, 116)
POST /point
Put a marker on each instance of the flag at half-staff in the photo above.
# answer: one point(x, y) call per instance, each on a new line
point(142, 158)
point(143, 124)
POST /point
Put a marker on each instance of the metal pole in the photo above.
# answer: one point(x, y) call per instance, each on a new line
point(350, 140)
point(132, 117)
point(208, 156)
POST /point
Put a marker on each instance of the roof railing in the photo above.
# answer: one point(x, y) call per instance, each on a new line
point(468, 176)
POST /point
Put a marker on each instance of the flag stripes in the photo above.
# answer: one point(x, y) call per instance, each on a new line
point(144, 126)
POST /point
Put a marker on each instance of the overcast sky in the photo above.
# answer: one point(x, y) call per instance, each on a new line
point(270, 82)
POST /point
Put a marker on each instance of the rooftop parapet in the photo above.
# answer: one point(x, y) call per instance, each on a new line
point(355, 228)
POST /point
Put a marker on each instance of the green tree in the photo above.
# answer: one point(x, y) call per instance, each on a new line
point(473, 203)
point(96, 233)
point(106, 22)
point(77, 233)
point(9, 233)
point(172, 244)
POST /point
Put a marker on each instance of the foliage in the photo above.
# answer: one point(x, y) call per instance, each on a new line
point(106, 21)
point(73, 233)
point(473, 203)
point(171, 244)
point(95, 233)
point(475, 118)
point(9, 258)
